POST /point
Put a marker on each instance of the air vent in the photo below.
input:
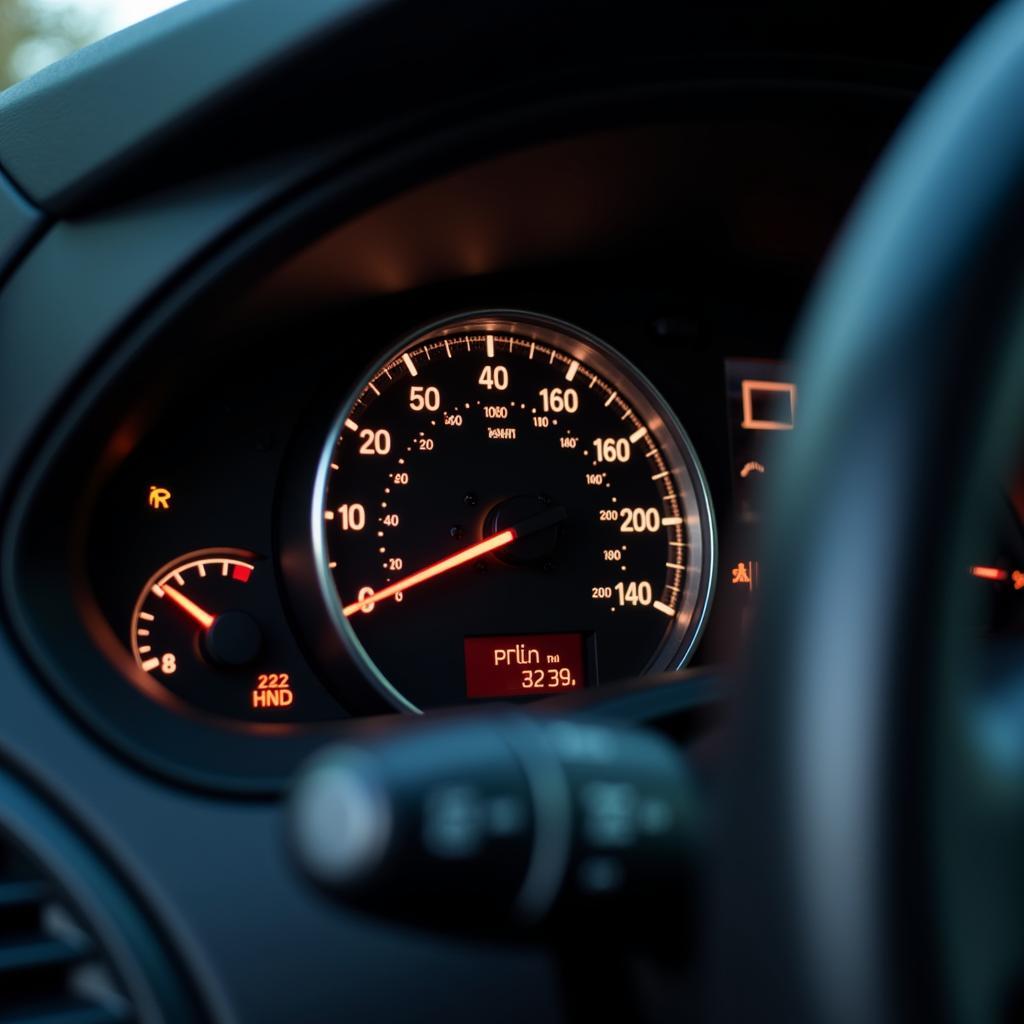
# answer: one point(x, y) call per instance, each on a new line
point(52, 970)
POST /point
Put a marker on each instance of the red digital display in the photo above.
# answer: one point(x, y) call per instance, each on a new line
point(528, 665)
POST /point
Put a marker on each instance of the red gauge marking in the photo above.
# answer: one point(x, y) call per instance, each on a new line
point(988, 572)
point(499, 540)
point(241, 573)
point(187, 605)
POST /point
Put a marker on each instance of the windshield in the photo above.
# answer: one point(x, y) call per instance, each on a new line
point(35, 33)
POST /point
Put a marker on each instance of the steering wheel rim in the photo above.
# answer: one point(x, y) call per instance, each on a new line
point(869, 864)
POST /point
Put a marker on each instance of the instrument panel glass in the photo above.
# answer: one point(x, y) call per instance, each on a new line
point(507, 508)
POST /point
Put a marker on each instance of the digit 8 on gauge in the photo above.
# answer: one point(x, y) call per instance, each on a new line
point(504, 493)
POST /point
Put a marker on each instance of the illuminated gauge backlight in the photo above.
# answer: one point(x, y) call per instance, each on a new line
point(509, 476)
point(200, 629)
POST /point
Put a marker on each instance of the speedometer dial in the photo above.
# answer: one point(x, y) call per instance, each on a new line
point(507, 509)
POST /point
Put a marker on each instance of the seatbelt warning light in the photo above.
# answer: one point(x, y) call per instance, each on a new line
point(159, 498)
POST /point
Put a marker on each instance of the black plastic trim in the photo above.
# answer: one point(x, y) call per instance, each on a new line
point(212, 84)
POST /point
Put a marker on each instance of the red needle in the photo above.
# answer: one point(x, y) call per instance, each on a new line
point(204, 618)
point(499, 540)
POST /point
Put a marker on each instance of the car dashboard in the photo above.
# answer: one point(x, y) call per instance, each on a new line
point(579, 340)
point(487, 415)
point(297, 505)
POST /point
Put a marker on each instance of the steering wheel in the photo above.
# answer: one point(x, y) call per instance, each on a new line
point(870, 862)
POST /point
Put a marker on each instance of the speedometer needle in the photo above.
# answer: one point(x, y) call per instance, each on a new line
point(499, 540)
point(543, 521)
point(187, 605)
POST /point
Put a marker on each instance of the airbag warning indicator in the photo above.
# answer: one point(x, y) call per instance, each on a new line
point(527, 665)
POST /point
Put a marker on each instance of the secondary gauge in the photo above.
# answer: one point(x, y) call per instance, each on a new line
point(199, 628)
point(505, 509)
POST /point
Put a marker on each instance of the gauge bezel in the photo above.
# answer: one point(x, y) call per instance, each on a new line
point(185, 561)
point(611, 365)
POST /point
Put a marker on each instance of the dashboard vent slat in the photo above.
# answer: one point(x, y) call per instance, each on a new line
point(51, 969)
point(15, 894)
point(65, 1012)
point(38, 953)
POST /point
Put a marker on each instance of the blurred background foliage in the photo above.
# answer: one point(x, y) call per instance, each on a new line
point(34, 33)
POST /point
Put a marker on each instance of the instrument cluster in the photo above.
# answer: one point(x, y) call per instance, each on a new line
point(502, 431)
point(497, 505)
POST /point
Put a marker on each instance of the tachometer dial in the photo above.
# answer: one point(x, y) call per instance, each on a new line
point(507, 509)
point(200, 628)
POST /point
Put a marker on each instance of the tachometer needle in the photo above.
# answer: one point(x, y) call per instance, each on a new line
point(499, 540)
point(187, 605)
